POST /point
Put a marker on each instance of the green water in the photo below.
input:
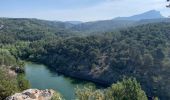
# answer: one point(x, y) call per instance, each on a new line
point(40, 77)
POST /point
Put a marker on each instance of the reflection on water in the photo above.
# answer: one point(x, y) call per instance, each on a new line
point(41, 77)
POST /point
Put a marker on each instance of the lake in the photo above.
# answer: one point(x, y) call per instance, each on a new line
point(40, 77)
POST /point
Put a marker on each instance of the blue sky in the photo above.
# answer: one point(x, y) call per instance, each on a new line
point(81, 10)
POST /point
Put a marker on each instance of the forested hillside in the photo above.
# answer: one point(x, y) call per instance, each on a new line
point(13, 29)
point(141, 51)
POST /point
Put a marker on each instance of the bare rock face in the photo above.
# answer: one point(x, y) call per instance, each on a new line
point(33, 94)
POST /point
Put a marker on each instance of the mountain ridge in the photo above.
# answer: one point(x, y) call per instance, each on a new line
point(120, 22)
point(93, 26)
point(152, 14)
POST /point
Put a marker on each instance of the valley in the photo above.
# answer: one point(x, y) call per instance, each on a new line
point(129, 55)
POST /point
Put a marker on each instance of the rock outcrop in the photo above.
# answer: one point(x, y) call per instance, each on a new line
point(33, 94)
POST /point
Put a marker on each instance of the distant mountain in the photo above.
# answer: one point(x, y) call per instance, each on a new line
point(120, 22)
point(74, 22)
point(71, 28)
point(152, 14)
point(102, 26)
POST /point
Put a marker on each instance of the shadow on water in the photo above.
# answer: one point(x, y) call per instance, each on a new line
point(75, 80)
point(43, 77)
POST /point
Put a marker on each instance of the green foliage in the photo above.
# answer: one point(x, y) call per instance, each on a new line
point(8, 85)
point(128, 89)
point(23, 84)
point(6, 58)
point(57, 96)
point(10, 79)
point(141, 52)
point(15, 30)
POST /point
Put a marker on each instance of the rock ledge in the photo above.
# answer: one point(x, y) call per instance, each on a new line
point(33, 94)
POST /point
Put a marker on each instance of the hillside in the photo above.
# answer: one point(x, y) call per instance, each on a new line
point(13, 29)
point(119, 22)
point(17, 27)
point(141, 52)
point(102, 26)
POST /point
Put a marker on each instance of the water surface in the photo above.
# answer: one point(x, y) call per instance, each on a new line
point(40, 77)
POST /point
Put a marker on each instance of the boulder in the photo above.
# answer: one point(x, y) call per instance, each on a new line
point(33, 94)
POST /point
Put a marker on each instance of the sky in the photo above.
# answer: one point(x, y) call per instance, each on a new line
point(79, 10)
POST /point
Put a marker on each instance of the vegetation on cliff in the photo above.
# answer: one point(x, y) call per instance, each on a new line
point(128, 89)
point(11, 80)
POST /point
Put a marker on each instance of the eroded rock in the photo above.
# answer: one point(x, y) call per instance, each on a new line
point(33, 94)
